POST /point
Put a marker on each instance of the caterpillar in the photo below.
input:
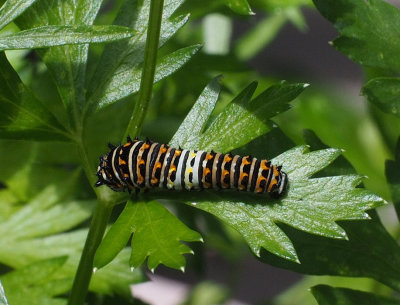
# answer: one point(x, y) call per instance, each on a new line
point(146, 164)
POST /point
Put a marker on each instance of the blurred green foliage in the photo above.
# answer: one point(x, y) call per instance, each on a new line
point(65, 96)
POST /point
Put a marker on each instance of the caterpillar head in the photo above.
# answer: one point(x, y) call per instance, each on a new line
point(106, 176)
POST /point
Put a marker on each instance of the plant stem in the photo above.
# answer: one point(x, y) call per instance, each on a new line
point(85, 268)
point(149, 66)
point(96, 231)
point(104, 206)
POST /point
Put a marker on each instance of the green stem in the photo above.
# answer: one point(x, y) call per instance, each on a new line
point(85, 267)
point(149, 66)
point(106, 200)
point(96, 231)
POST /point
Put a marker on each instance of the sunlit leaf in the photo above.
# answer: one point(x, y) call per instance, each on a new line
point(67, 64)
point(38, 283)
point(245, 119)
point(310, 204)
point(35, 232)
point(11, 9)
point(127, 82)
point(157, 234)
point(198, 115)
point(53, 35)
point(3, 299)
point(120, 61)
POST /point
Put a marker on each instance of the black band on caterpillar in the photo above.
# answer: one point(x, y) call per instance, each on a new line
point(145, 164)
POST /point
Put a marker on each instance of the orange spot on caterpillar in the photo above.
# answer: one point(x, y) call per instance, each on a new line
point(273, 182)
point(264, 165)
point(243, 175)
point(209, 156)
point(261, 178)
point(245, 160)
point(228, 158)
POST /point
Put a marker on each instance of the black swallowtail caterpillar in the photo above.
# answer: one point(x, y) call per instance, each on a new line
point(146, 164)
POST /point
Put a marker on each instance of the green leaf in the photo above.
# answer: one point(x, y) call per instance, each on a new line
point(392, 170)
point(35, 221)
point(114, 278)
point(3, 299)
point(244, 120)
point(327, 295)
point(38, 283)
point(35, 232)
point(370, 251)
point(67, 64)
point(54, 35)
point(369, 31)
point(277, 141)
point(120, 61)
point(44, 215)
point(241, 7)
point(341, 166)
point(323, 114)
point(384, 92)
point(127, 82)
point(22, 116)
point(11, 9)
point(311, 204)
point(198, 116)
point(156, 234)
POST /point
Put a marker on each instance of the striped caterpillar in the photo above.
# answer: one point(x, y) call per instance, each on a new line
point(146, 164)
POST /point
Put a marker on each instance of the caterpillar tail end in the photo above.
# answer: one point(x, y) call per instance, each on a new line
point(280, 188)
point(283, 184)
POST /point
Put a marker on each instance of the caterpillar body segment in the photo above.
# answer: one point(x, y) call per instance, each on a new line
point(145, 164)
